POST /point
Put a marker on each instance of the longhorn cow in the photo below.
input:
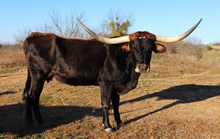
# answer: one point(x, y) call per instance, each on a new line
point(114, 64)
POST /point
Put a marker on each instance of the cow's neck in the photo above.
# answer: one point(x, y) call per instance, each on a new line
point(122, 69)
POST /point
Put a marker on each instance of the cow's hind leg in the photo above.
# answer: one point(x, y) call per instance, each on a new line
point(31, 98)
point(27, 102)
point(36, 89)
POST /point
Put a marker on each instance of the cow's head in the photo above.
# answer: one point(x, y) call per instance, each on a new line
point(141, 44)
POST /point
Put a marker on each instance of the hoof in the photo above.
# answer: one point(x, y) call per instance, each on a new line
point(109, 130)
point(122, 93)
point(119, 126)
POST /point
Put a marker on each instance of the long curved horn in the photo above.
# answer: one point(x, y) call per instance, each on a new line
point(179, 37)
point(106, 40)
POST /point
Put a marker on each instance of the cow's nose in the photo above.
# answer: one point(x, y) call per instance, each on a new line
point(142, 68)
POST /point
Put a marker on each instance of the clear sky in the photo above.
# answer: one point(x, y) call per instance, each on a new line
point(161, 17)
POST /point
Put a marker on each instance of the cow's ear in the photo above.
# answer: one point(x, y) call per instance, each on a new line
point(159, 48)
point(126, 47)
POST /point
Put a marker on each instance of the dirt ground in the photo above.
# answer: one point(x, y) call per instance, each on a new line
point(180, 105)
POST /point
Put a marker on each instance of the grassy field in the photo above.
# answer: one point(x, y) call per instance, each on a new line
point(178, 99)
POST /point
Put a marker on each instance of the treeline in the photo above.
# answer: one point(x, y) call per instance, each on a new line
point(115, 24)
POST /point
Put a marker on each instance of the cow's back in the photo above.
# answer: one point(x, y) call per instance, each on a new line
point(72, 61)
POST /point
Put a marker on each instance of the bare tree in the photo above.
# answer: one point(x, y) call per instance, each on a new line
point(21, 35)
point(64, 26)
point(67, 26)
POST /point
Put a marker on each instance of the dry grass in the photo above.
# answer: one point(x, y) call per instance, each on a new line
point(11, 57)
point(178, 99)
point(194, 54)
point(212, 58)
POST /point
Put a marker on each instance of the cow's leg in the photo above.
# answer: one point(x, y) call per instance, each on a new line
point(27, 102)
point(36, 90)
point(115, 102)
point(31, 95)
point(106, 90)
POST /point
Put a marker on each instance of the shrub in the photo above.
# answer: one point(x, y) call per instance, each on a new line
point(209, 48)
point(185, 49)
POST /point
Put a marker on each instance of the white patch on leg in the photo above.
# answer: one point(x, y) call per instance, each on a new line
point(109, 130)
point(137, 69)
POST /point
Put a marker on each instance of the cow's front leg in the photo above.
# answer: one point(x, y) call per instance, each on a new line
point(106, 89)
point(115, 102)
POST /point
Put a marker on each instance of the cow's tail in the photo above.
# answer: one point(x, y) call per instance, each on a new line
point(25, 47)
point(28, 80)
point(27, 85)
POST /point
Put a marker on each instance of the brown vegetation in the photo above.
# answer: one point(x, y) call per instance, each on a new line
point(179, 98)
point(216, 46)
point(11, 56)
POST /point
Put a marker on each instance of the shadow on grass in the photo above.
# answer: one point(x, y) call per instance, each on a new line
point(183, 94)
point(6, 93)
point(11, 118)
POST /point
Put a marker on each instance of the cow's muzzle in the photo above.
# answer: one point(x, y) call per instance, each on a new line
point(140, 68)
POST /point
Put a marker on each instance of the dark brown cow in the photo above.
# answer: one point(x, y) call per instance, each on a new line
point(114, 64)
